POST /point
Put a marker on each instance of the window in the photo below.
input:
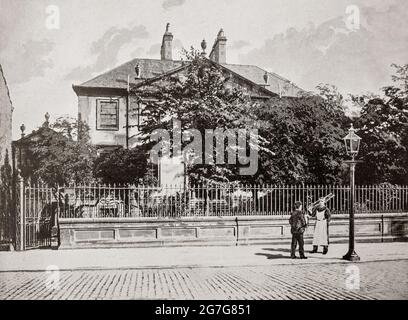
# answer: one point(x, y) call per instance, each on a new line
point(107, 115)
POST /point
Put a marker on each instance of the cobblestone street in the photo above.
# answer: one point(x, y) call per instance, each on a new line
point(378, 280)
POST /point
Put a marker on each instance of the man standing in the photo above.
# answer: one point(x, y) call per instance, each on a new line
point(298, 225)
point(321, 231)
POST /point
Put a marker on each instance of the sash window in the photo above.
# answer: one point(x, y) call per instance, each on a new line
point(107, 115)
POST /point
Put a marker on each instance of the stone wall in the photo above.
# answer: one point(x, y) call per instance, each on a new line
point(87, 111)
point(87, 233)
point(6, 111)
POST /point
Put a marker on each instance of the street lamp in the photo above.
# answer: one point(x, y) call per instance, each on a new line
point(352, 142)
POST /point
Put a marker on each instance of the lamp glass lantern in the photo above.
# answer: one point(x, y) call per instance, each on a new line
point(352, 142)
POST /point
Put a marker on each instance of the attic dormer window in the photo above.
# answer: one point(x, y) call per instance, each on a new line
point(107, 114)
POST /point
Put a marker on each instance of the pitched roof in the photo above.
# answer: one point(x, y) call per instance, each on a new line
point(117, 77)
point(152, 68)
point(256, 74)
point(33, 136)
point(264, 93)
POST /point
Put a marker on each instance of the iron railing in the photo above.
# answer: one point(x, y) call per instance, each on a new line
point(37, 207)
point(40, 208)
point(133, 201)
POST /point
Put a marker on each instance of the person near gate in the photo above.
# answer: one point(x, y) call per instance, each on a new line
point(321, 230)
point(298, 225)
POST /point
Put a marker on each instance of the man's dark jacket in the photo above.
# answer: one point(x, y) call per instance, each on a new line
point(297, 221)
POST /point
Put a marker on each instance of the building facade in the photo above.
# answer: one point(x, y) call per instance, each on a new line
point(6, 113)
point(104, 102)
point(6, 204)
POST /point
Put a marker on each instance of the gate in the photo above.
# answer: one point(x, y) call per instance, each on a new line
point(37, 212)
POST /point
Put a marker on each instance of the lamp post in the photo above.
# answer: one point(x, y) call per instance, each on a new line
point(352, 143)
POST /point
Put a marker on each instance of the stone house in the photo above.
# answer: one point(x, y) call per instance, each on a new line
point(114, 115)
point(6, 204)
point(104, 102)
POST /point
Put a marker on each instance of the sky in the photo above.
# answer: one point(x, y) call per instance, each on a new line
point(48, 45)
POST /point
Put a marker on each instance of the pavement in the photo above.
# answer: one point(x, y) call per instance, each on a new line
point(176, 257)
point(209, 273)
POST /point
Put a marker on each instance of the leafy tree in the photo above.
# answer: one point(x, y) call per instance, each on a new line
point(7, 210)
point(306, 138)
point(55, 158)
point(6, 173)
point(201, 97)
point(301, 139)
point(383, 127)
point(123, 166)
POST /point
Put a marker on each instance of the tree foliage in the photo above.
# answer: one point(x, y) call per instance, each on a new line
point(306, 138)
point(123, 166)
point(203, 98)
point(7, 211)
point(300, 138)
point(54, 157)
point(383, 127)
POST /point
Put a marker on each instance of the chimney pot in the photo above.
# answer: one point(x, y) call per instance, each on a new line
point(221, 34)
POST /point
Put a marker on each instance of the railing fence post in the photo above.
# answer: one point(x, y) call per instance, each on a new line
point(55, 227)
point(22, 215)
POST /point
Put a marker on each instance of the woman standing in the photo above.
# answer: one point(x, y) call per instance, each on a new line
point(321, 231)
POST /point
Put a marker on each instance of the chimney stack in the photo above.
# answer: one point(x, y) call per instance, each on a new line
point(166, 47)
point(219, 49)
